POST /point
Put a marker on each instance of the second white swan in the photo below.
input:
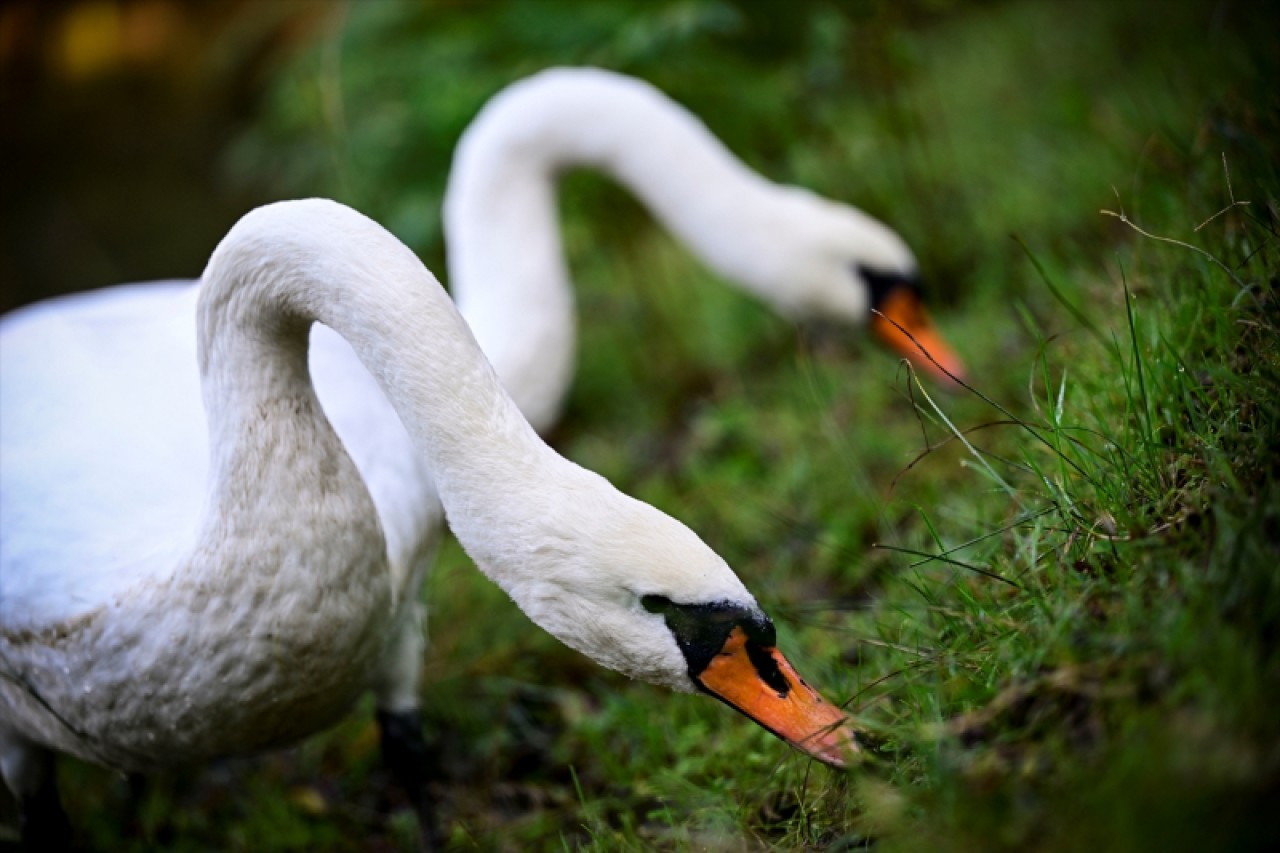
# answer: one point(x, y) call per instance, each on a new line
point(807, 256)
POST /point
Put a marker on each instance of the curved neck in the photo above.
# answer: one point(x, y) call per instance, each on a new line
point(285, 266)
point(506, 265)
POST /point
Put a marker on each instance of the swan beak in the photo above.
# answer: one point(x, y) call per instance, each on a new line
point(759, 682)
point(900, 318)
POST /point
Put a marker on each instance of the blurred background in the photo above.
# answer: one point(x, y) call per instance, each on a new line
point(990, 135)
point(117, 121)
point(134, 133)
point(137, 132)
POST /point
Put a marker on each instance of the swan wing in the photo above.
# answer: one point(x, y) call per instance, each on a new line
point(102, 447)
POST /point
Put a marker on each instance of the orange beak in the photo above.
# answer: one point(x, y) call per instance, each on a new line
point(758, 681)
point(902, 325)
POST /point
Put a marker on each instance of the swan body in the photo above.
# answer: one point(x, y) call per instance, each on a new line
point(119, 523)
point(79, 354)
point(249, 607)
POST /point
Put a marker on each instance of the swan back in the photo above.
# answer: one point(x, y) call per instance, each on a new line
point(102, 448)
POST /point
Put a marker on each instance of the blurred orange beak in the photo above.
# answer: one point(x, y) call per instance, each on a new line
point(902, 325)
point(758, 681)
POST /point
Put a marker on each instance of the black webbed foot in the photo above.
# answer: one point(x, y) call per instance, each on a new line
point(407, 758)
point(43, 822)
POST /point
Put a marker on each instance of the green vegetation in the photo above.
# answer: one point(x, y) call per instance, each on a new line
point(1052, 601)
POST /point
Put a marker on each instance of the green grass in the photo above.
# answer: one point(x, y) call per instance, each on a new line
point(1052, 601)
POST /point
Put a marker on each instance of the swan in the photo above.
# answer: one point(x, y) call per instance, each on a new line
point(151, 618)
point(806, 256)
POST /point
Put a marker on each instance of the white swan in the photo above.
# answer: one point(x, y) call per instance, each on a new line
point(148, 620)
point(805, 255)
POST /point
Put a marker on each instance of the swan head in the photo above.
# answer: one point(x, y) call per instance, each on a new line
point(833, 263)
point(640, 593)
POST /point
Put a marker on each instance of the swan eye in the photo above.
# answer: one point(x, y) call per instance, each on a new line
point(701, 630)
point(881, 284)
point(656, 603)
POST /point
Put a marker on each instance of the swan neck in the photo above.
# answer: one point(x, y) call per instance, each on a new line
point(289, 265)
point(568, 118)
point(506, 264)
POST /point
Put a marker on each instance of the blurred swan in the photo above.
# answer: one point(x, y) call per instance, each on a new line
point(806, 256)
point(157, 610)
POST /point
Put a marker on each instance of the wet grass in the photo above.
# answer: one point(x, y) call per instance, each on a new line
point(1051, 600)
